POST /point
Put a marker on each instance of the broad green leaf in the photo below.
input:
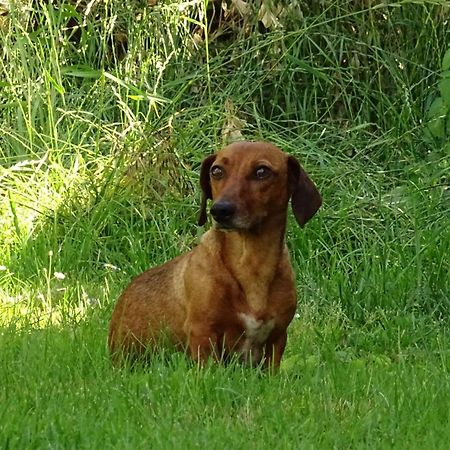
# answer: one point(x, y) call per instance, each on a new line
point(446, 60)
point(436, 115)
point(81, 71)
point(436, 127)
point(444, 89)
point(436, 109)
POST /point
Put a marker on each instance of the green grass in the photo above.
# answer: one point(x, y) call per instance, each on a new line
point(62, 392)
point(100, 149)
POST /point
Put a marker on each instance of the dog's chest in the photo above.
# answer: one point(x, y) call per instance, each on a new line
point(256, 332)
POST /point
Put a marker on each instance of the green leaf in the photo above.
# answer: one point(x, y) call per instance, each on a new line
point(436, 109)
point(436, 114)
point(436, 127)
point(444, 89)
point(81, 71)
point(60, 89)
point(137, 92)
point(446, 60)
point(302, 66)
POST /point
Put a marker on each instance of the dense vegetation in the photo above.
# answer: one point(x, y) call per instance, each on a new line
point(106, 111)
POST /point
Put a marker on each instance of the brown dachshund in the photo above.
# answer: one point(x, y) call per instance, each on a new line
point(233, 294)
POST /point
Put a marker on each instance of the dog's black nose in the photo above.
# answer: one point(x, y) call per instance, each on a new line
point(223, 211)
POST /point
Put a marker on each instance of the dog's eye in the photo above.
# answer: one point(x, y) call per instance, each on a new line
point(217, 172)
point(262, 172)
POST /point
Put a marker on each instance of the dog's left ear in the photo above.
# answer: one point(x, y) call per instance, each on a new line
point(305, 198)
point(205, 184)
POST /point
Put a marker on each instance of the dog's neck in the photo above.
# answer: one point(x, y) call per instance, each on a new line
point(254, 257)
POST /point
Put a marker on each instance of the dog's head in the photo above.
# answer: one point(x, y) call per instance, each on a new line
point(252, 182)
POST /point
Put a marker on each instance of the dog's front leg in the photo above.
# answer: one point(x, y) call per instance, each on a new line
point(274, 351)
point(203, 346)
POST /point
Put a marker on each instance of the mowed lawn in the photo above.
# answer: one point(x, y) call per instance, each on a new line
point(366, 387)
point(103, 131)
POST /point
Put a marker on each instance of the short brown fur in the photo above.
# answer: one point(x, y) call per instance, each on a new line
point(234, 293)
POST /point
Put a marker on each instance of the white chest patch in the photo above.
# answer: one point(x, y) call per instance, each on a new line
point(256, 330)
point(256, 333)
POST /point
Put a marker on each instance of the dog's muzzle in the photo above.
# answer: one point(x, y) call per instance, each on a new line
point(224, 213)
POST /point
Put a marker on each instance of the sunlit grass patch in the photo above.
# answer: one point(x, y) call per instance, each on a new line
point(56, 303)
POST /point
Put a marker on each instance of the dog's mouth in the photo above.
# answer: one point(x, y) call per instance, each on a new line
point(232, 223)
point(226, 225)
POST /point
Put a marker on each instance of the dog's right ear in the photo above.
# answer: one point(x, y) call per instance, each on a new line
point(205, 184)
